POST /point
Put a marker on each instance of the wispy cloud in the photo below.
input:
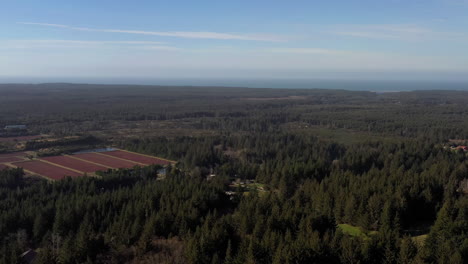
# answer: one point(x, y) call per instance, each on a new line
point(168, 48)
point(305, 51)
point(60, 43)
point(394, 31)
point(89, 42)
point(177, 34)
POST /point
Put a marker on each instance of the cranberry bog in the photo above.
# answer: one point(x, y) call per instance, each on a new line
point(76, 164)
point(107, 161)
point(135, 157)
point(58, 167)
point(10, 159)
point(46, 170)
point(19, 138)
point(13, 154)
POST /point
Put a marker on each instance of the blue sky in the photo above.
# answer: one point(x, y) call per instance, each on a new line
point(235, 39)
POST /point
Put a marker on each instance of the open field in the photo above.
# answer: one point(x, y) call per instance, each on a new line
point(13, 154)
point(75, 164)
point(106, 160)
point(58, 167)
point(136, 157)
point(46, 169)
point(20, 138)
point(10, 159)
point(419, 240)
point(292, 97)
point(356, 231)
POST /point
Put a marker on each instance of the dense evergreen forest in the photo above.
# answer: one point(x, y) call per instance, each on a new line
point(263, 176)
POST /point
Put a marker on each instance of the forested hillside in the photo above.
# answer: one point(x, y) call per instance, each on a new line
point(263, 176)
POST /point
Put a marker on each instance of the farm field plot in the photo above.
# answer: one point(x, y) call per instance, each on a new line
point(13, 154)
point(106, 160)
point(136, 157)
point(58, 167)
point(46, 169)
point(20, 138)
point(9, 159)
point(75, 164)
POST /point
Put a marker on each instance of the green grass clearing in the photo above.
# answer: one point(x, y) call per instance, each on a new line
point(419, 240)
point(356, 231)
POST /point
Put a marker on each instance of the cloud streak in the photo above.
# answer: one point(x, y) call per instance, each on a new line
point(394, 32)
point(176, 34)
point(89, 42)
point(59, 43)
point(317, 51)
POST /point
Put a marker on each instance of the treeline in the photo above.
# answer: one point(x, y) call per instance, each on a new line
point(412, 167)
point(389, 188)
point(106, 220)
point(66, 142)
point(396, 189)
point(326, 161)
point(67, 109)
point(273, 229)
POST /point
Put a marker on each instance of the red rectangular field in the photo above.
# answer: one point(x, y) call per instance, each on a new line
point(9, 159)
point(75, 164)
point(20, 138)
point(136, 157)
point(106, 160)
point(46, 169)
point(13, 154)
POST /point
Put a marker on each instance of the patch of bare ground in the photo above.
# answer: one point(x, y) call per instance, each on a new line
point(233, 153)
point(19, 138)
point(54, 139)
point(292, 97)
point(151, 128)
point(457, 141)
